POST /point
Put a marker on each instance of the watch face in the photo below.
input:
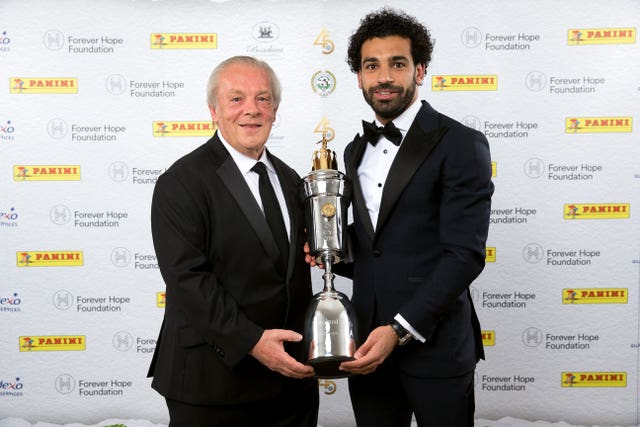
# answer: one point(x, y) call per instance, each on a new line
point(405, 339)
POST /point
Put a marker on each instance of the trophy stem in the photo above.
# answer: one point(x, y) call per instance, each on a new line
point(328, 275)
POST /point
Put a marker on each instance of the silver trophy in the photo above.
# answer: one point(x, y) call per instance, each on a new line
point(330, 329)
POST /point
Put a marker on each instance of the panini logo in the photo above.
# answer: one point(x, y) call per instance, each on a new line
point(161, 299)
point(594, 379)
point(598, 124)
point(597, 210)
point(582, 36)
point(184, 41)
point(46, 173)
point(494, 169)
point(464, 82)
point(488, 338)
point(49, 259)
point(595, 296)
point(52, 343)
point(195, 128)
point(29, 85)
point(490, 254)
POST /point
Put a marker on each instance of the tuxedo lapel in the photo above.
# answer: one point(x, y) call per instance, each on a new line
point(353, 161)
point(423, 135)
point(235, 182)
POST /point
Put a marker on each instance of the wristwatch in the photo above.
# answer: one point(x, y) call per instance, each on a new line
point(403, 335)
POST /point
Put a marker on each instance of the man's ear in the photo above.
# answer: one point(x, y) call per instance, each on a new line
point(212, 111)
point(359, 80)
point(420, 74)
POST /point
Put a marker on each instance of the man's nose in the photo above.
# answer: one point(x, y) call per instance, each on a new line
point(384, 74)
point(252, 107)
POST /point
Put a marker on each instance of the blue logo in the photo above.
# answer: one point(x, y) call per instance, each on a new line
point(11, 388)
point(9, 219)
point(10, 303)
point(6, 131)
point(5, 42)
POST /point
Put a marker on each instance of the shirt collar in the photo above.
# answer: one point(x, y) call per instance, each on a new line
point(244, 162)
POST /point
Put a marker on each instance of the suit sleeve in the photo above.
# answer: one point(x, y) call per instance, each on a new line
point(181, 227)
point(464, 222)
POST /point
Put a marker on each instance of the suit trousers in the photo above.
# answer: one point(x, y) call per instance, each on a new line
point(388, 398)
point(292, 408)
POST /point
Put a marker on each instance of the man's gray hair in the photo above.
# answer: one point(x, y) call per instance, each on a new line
point(212, 84)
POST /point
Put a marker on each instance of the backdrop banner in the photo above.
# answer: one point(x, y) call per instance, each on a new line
point(97, 99)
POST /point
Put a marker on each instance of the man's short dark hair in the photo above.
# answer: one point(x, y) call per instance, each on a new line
point(389, 22)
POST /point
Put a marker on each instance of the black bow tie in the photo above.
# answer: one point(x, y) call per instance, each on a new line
point(372, 133)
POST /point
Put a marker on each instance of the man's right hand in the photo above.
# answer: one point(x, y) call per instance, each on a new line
point(311, 260)
point(269, 350)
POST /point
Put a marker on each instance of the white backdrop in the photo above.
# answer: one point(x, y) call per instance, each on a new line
point(98, 98)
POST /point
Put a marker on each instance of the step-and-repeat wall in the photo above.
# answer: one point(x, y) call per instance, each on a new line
point(99, 98)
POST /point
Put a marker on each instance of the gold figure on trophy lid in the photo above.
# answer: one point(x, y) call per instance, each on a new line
point(324, 158)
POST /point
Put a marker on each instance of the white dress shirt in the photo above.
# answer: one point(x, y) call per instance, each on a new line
point(377, 160)
point(245, 163)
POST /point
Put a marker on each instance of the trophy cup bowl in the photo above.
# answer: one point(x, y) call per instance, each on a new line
point(330, 329)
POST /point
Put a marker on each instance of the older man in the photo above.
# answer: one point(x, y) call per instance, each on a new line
point(228, 231)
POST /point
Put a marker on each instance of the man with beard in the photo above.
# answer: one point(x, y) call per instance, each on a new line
point(422, 197)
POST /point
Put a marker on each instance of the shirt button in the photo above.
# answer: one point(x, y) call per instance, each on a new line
point(379, 185)
point(385, 151)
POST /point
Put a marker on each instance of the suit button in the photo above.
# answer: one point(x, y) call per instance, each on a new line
point(220, 351)
point(377, 253)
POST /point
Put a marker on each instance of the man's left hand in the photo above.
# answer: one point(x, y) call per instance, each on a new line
point(378, 346)
point(269, 351)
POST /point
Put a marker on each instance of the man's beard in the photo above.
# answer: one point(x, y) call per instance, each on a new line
point(392, 108)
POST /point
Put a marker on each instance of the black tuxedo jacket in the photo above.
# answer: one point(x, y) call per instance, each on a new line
point(218, 258)
point(428, 245)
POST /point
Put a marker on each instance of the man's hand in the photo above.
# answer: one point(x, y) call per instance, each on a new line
point(378, 346)
point(311, 260)
point(269, 350)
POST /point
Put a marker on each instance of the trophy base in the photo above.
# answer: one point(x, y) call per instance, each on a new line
point(327, 366)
